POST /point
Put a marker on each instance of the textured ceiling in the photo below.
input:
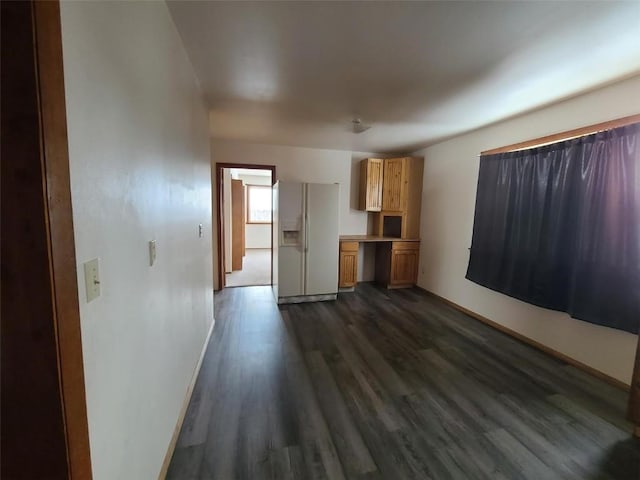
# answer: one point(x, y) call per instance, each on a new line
point(296, 73)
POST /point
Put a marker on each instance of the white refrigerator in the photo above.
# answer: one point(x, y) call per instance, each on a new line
point(305, 241)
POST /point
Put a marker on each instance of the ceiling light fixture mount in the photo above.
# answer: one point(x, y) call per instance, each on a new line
point(359, 127)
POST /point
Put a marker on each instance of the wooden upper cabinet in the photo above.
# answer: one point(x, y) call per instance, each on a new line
point(371, 181)
point(392, 188)
point(394, 191)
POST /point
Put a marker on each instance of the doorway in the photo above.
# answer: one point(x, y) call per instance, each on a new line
point(244, 224)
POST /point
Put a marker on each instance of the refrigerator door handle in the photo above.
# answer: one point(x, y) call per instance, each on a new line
point(305, 228)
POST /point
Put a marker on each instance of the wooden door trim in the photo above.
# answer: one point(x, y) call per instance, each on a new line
point(218, 166)
point(61, 234)
point(220, 231)
point(566, 135)
point(44, 256)
point(237, 244)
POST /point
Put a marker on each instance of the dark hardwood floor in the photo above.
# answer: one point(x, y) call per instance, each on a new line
point(391, 385)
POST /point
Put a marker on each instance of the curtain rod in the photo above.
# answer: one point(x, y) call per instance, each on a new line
point(558, 137)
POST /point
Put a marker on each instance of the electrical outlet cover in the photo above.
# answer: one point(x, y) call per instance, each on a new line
point(92, 279)
point(152, 252)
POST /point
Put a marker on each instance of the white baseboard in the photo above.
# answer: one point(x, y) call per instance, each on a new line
point(185, 405)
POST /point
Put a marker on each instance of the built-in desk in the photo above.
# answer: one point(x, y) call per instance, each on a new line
point(375, 238)
point(397, 260)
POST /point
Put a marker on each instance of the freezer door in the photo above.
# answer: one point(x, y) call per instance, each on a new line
point(290, 255)
point(290, 205)
point(321, 228)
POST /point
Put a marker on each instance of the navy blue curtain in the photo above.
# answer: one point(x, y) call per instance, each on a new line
point(559, 227)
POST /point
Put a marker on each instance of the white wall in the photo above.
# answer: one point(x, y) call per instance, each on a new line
point(256, 235)
point(140, 170)
point(314, 166)
point(450, 180)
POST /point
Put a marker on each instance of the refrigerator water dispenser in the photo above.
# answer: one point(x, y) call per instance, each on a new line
point(290, 238)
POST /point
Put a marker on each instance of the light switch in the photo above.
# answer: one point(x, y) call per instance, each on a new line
point(200, 230)
point(92, 279)
point(152, 252)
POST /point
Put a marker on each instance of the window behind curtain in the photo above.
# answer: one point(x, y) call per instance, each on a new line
point(258, 204)
point(559, 227)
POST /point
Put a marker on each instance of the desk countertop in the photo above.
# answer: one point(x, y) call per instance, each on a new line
point(374, 238)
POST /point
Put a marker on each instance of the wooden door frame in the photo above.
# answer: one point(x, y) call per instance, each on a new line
point(219, 166)
point(43, 332)
point(237, 225)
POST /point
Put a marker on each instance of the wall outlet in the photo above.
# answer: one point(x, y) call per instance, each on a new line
point(200, 232)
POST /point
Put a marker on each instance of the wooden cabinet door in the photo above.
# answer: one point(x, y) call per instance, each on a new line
point(404, 263)
point(393, 187)
point(371, 181)
point(348, 264)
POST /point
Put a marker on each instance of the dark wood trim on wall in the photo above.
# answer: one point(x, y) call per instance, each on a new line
point(559, 137)
point(61, 234)
point(550, 351)
point(218, 208)
point(44, 418)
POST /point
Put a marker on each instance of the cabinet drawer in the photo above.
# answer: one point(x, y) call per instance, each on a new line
point(349, 246)
point(405, 246)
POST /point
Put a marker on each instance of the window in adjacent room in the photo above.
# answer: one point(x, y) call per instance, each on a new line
point(258, 204)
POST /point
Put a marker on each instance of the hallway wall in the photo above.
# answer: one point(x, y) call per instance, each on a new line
point(140, 170)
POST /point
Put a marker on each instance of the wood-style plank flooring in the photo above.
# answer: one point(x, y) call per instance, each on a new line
point(391, 385)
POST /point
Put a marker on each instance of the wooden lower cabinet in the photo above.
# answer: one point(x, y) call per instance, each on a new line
point(404, 267)
point(348, 264)
point(397, 264)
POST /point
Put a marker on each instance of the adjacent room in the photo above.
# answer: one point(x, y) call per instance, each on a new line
point(320, 240)
point(246, 226)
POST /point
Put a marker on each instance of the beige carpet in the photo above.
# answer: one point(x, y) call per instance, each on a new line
point(256, 269)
